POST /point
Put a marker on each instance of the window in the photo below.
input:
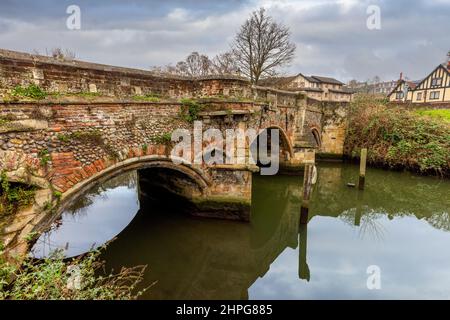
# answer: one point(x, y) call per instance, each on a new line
point(419, 96)
point(399, 95)
point(434, 95)
point(436, 82)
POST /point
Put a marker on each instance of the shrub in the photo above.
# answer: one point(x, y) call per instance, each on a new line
point(190, 110)
point(57, 195)
point(54, 279)
point(398, 138)
point(63, 137)
point(164, 138)
point(44, 156)
point(14, 197)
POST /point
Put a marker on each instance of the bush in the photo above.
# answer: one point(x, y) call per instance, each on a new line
point(165, 138)
point(44, 155)
point(14, 197)
point(57, 279)
point(398, 138)
point(190, 110)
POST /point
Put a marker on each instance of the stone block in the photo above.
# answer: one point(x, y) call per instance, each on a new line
point(92, 88)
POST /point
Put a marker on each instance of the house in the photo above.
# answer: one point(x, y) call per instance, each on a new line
point(403, 91)
point(433, 88)
point(377, 88)
point(316, 87)
point(384, 87)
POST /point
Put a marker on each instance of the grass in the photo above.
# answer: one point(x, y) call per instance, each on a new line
point(150, 97)
point(442, 114)
point(31, 91)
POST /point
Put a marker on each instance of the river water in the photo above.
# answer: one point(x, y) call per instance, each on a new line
point(390, 241)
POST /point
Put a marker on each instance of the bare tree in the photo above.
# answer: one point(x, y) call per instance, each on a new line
point(261, 46)
point(61, 54)
point(376, 80)
point(198, 65)
point(57, 53)
point(225, 63)
point(195, 65)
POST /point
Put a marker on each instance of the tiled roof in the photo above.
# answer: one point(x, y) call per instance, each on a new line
point(343, 90)
point(311, 89)
point(276, 81)
point(310, 79)
point(284, 81)
point(327, 80)
point(413, 84)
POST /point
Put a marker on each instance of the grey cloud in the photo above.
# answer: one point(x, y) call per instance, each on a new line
point(331, 36)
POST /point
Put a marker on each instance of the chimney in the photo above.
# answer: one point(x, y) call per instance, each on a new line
point(401, 76)
point(448, 61)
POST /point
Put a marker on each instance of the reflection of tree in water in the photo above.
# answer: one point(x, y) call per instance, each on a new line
point(440, 221)
point(370, 225)
point(369, 221)
point(98, 192)
point(387, 193)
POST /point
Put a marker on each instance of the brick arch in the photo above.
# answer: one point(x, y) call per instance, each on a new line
point(284, 138)
point(197, 174)
point(317, 136)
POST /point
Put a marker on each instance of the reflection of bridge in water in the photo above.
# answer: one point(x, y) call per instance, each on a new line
point(197, 259)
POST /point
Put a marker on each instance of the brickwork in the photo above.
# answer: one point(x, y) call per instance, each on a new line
point(65, 145)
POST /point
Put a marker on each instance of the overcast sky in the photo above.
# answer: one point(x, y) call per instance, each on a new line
point(331, 36)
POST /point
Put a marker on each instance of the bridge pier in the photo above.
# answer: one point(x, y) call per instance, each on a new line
point(227, 196)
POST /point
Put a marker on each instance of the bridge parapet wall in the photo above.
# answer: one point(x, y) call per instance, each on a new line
point(74, 77)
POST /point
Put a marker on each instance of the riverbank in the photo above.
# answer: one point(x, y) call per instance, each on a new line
point(398, 138)
point(57, 278)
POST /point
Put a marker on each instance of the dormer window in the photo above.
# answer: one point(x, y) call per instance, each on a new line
point(436, 82)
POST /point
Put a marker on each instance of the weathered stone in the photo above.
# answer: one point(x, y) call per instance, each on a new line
point(88, 140)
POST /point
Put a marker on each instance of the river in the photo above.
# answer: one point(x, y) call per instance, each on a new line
point(389, 241)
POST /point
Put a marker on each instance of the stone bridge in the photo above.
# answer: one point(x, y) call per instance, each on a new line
point(97, 121)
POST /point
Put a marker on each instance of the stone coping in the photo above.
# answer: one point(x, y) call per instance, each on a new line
point(291, 93)
point(121, 101)
point(225, 113)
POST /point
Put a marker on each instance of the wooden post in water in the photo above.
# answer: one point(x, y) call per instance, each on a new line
point(307, 188)
point(362, 168)
point(303, 268)
point(359, 208)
